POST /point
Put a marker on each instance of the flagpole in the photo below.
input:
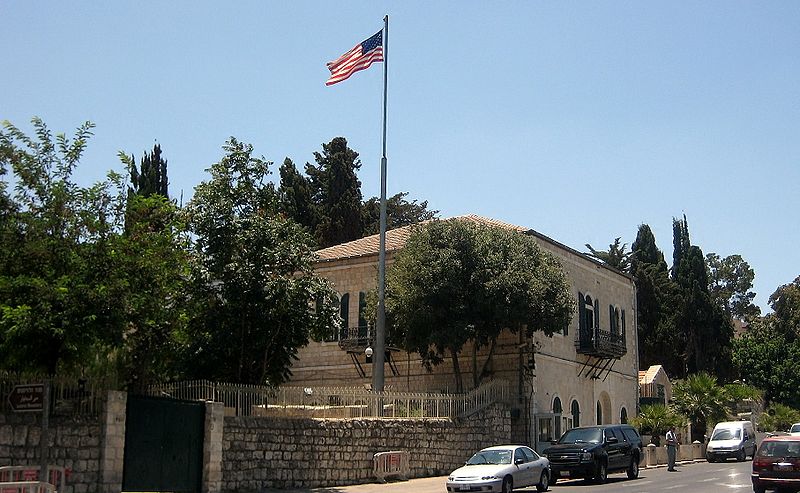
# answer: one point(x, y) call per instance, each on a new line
point(378, 359)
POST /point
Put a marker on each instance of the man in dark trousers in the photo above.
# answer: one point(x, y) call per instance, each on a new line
point(672, 448)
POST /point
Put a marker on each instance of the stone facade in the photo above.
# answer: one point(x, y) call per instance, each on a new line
point(563, 380)
point(74, 443)
point(260, 452)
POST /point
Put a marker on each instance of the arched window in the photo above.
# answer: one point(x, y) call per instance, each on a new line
point(623, 416)
point(557, 411)
point(576, 413)
point(599, 413)
point(557, 406)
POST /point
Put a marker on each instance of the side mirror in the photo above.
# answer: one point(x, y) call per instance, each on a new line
point(612, 440)
point(519, 461)
point(553, 442)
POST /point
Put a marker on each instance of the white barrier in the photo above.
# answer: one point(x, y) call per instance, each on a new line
point(27, 487)
point(387, 464)
point(56, 475)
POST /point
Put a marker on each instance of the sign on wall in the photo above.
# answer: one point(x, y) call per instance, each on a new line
point(27, 397)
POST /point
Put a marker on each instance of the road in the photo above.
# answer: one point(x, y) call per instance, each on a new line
point(727, 477)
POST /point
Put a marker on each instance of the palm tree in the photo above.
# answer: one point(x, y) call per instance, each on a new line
point(702, 400)
point(655, 420)
point(778, 417)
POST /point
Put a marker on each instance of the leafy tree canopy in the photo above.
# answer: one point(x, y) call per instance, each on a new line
point(58, 289)
point(255, 296)
point(456, 281)
point(730, 284)
point(399, 212)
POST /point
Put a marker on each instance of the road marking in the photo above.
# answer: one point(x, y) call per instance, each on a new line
point(709, 479)
point(676, 486)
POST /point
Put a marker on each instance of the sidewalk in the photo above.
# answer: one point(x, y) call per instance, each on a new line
point(418, 485)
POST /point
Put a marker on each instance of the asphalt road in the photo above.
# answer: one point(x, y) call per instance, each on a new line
point(696, 477)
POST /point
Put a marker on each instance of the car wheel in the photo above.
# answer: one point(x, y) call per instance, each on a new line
point(601, 474)
point(758, 489)
point(741, 455)
point(508, 485)
point(710, 458)
point(544, 482)
point(633, 469)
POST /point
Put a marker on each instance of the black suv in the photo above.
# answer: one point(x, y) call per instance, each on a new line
point(591, 452)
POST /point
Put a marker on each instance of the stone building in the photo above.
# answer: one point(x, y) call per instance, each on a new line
point(586, 374)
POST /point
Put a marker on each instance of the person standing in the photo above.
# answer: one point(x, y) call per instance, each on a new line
point(672, 448)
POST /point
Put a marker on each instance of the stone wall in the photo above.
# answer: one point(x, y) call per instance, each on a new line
point(74, 443)
point(260, 452)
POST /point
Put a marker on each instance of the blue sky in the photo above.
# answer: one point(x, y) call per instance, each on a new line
point(581, 120)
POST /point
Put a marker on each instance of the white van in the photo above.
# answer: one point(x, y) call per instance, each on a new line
point(731, 439)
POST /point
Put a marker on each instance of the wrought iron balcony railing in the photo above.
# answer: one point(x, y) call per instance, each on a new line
point(601, 343)
point(351, 338)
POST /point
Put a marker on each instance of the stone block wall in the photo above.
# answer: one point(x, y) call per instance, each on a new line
point(268, 452)
point(74, 443)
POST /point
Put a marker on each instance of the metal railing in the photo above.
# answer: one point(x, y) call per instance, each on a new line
point(335, 402)
point(603, 343)
point(69, 396)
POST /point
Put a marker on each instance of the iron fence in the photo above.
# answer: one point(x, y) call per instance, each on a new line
point(335, 402)
point(69, 396)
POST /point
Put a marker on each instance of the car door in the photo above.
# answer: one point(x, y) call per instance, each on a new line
point(614, 448)
point(522, 477)
point(536, 465)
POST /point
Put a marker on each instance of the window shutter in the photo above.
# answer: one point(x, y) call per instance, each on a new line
point(612, 319)
point(581, 314)
point(597, 313)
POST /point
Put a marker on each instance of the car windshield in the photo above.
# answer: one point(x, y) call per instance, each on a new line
point(795, 428)
point(779, 449)
point(582, 435)
point(491, 457)
point(727, 434)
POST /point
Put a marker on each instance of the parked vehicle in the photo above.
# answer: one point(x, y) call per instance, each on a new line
point(776, 464)
point(501, 468)
point(592, 452)
point(731, 439)
point(795, 429)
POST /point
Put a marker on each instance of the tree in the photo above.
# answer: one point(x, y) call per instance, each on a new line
point(151, 258)
point(294, 196)
point(702, 400)
point(254, 293)
point(457, 281)
point(337, 191)
point(59, 290)
point(655, 420)
point(615, 257)
point(151, 176)
point(703, 324)
point(399, 212)
point(730, 284)
point(654, 291)
point(768, 354)
point(778, 417)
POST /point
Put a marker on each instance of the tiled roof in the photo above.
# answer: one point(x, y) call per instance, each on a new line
point(395, 239)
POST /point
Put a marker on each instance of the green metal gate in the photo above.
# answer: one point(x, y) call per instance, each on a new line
point(163, 445)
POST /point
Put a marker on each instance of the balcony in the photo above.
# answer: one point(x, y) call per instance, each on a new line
point(356, 338)
point(601, 343)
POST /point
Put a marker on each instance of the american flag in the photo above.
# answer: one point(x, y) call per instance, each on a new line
point(360, 57)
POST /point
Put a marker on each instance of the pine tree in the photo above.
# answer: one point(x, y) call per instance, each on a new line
point(337, 190)
point(151, 177)
point(294, 196)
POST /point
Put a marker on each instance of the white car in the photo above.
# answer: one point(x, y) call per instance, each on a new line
point(795, 429)
point(501, 468)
